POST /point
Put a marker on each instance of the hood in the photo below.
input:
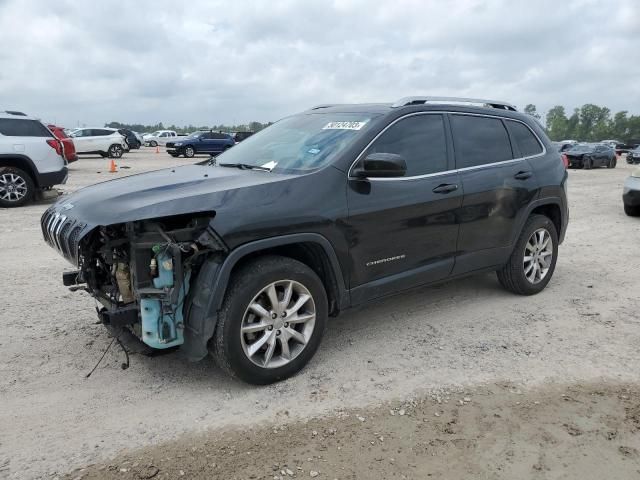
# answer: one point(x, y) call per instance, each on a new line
point(172, 191)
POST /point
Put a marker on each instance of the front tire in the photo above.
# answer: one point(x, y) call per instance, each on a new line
point(16, 187)
point(272, 320)
point(153, 143)
point(115, 151)
point(533, 259)
point(189, 152)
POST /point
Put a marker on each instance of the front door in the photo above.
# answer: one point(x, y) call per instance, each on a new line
point(403, 231)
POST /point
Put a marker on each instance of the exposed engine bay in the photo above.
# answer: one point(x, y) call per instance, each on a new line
point(140, 273)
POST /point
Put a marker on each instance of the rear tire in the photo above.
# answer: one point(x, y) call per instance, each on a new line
point(632, 211)
point(234, 349)
point(16, 187)
point(115, 151)
point(519, 275)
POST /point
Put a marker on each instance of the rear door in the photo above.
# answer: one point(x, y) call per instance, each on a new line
point(403, 231)
point(204, 143)
point(498, 184)
point(218, 142)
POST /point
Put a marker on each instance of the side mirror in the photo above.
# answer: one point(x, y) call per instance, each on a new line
point(380, 165)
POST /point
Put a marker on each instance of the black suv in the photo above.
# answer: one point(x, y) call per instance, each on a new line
point(247, 256)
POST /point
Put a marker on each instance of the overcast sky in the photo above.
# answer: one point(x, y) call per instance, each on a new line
point(206, 62)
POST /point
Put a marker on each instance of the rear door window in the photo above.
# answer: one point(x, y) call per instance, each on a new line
point(22, 128)
point(420, 140)
point(479, 140)
point(524, 139)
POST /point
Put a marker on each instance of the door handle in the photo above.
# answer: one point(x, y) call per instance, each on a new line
point(445, 188)
point(522, 175)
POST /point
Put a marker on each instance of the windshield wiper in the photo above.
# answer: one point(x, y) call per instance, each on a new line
point(244, 166)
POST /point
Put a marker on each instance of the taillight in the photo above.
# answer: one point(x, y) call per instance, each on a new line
point(56, 145)
point(565, 160)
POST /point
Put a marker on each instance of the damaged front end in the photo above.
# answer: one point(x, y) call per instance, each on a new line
point(141, 271)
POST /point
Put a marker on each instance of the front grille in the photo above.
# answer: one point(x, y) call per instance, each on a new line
point(169, 144)
point(62, 233)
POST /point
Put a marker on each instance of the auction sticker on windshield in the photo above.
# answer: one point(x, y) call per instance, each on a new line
point(344, 125)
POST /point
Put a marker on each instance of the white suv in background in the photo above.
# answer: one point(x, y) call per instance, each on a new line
point(102, 141)
point(160, 137)
point(31, 158)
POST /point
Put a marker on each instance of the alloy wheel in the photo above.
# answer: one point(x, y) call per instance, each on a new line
point(538, 254)
point(13, 188)
point(278, 324)
point(116, 151)
point(188, 152)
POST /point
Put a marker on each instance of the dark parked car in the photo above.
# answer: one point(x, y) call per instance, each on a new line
point(633, 156)
point(563, 147)
point(240, 136)
point(631, 194)
point(626, 147)
point(325, 210)
point(200, 142)
point(130, 138)
point(588, 155)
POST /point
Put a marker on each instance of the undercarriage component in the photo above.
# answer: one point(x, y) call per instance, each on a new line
point(119, 317)
point(70, 278)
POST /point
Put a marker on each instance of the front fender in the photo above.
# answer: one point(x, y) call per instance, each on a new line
point(207, 294)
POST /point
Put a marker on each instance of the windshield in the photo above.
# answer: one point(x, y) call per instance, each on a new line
point(299, 143)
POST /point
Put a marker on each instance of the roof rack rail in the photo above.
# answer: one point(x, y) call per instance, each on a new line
point(405, 101)
point(13, 112)
point(323, 105)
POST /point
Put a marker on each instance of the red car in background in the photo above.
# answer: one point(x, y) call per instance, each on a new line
point(69, 148)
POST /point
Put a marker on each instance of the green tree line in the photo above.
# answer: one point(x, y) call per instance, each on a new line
point(589, 123)
point(137, 127)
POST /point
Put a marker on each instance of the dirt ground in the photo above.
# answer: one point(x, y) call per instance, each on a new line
point(585, 432)
point(468, 337)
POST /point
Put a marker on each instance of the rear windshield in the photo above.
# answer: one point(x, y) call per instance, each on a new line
point(299, 143)
point(22, 128)
point(582, 148)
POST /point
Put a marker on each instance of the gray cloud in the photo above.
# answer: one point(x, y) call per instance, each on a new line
point(208, 62)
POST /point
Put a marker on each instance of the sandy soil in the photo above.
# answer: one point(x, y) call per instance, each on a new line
point(466, 334)
point(500, 432)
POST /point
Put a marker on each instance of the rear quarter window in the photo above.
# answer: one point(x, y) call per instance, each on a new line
point(479, 140)
point(526, 142)
point(22, 128)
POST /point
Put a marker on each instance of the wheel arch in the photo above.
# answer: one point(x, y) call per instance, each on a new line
point(312, 249)
point(22, 162)
point(551, 208)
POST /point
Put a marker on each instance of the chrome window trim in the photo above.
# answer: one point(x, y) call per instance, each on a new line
point(455, 170)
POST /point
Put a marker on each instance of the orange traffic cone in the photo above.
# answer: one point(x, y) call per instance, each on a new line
point(157, 149)
point(112, 167)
